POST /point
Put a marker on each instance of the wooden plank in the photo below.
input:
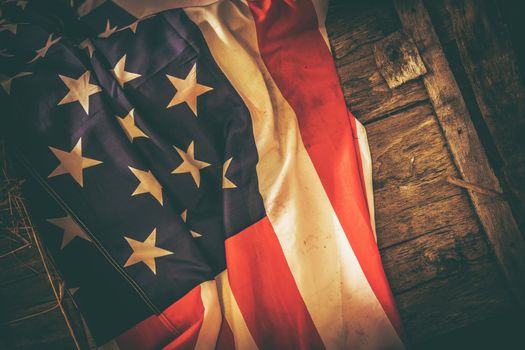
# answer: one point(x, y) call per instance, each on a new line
point(438, 255)
point(492, 70)
point(353, 24)
point(442, 305)
point(366, 92)
point(410, 164)
point(427, 228)
point(498, 332)
point(469, 156)
point(418, 220)
point(398, 59)
point(352, 29)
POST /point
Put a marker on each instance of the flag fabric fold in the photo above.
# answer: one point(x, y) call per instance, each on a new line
point(195, 173)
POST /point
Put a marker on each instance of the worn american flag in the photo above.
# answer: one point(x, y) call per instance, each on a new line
point(195, 173)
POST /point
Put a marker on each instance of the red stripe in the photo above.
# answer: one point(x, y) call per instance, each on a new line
point(225, 339)
point(302, 66)
point(265, 291)
point(176, 328)
point(186, 340)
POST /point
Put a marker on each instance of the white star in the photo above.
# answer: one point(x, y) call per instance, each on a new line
point(43, 51)
point(73, 163)
point(6, 82)
point(87, 44)
point(71, 230)
point(132, 27)
point(148, 184)
point(145, 252)
point(226, 183)
point(79, 90)
point(120, 73)
point(130, 128)
point(73, 290)
point(22, 4)
point(187, 90)
point(88, 6)
point(108, 31)
point(190, 164)
point(3, 53)
point(194, 234)
point(4, 25)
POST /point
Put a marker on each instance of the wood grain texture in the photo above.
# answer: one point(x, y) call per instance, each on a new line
point(410, 164)
point(353, 27)
point(428, 232)
point(366, 25)
point(398, 59)
point(435, 253)
point(366, 92)
point(445, 251)
point(444, 304)
point(488, 58)
point(494, 213)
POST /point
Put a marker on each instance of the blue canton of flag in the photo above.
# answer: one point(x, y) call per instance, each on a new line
point(142, 145)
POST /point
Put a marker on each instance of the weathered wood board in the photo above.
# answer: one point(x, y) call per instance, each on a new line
point(436, 254)
point(487, 55)
point(352, 32)
point(398, 59)
point(469, 155)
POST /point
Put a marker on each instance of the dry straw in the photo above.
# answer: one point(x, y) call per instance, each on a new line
point(16, 226)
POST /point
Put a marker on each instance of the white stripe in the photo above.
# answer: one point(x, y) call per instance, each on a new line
point(242, 336)
point(211, 323)
point(337, 295)
point(321, 9)
point(141, 8)
point(366, 163)
point(111, 345)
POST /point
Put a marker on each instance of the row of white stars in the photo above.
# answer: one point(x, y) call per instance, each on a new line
point(73, 163)
point(145, 251)
point(41, 53)
point(80, 89)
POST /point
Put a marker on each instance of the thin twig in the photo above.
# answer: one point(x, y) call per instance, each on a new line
point(473, 187)
point(15, 250)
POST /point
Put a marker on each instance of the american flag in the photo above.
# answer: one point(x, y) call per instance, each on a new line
point(195, 173)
